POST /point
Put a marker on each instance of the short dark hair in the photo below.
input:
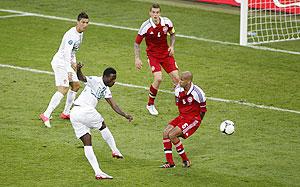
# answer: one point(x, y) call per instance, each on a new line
point(155, 5)
point(82, 15)
point(109, 71)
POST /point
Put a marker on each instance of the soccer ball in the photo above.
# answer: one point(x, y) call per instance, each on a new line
point(227, 127)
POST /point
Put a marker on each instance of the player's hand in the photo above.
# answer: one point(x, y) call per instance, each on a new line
point(129, 117)
point(171, 51)
point(79, 65)
point(138, 64)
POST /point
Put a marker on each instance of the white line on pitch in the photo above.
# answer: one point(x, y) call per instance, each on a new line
point(165, 91)
point(14, 15)
point(133, 29)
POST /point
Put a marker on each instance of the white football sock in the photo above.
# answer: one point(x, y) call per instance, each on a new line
point(54, 102)
point(90, 155)
point(69, 102)
point(108, 137)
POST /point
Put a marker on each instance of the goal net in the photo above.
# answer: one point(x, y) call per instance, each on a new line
point(264, 21)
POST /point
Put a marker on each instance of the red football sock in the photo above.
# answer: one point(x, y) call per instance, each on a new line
point(168, 150)
point(180, 150)
point(152, 95)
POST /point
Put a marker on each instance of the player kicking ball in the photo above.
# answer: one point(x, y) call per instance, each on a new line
point(84, 115)
point(191, 103)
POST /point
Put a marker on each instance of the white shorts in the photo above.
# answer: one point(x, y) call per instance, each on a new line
point(85, 118)
point(61, 73)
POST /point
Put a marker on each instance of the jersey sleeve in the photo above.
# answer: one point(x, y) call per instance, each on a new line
point(203, 106)
point(171, 28)
point(142, 31)
point(200, 97)
point(176, 93)
point(139, 39)
point(90, 81)
point(108, 93)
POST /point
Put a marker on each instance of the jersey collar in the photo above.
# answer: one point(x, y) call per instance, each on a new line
point(78, 33)
point(191, 89)
point(101, 81)
point(162, 22)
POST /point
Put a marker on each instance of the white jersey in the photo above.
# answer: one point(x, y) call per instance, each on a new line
point(69, 46)
point(94, 90)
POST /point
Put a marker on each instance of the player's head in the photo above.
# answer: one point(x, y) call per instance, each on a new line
point(186, 79)
point(109, 76)
point(155, 12)
point(82, 22)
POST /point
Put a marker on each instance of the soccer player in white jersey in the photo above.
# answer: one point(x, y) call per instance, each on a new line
point(84, 115)
point(64, 67)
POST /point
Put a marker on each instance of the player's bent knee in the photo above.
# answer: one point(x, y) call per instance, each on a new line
point(171, 135)
point(62, 89)
point(158, 80)
point(174, 133)
point(75, 86)
point(166, 134)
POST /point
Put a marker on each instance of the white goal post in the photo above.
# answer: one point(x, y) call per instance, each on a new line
point(264, 21)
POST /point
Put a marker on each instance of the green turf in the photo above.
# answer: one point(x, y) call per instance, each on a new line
point(264, 151)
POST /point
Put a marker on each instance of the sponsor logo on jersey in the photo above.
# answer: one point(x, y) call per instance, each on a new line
point(190, 99)
point(70, 42)
point(101, 93)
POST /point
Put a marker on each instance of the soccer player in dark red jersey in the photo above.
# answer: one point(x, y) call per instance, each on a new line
point(155, 31)
point(191, 103)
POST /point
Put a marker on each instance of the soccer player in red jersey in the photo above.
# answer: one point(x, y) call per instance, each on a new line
point(191, 103)
point(155, 31)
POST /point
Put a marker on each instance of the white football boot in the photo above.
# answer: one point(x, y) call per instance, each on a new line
point(117, 155)
point(103, 175)
point(45, 120)
point(152, 110)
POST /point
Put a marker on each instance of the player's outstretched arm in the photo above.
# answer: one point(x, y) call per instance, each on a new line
point(117, 109)
point(79, 72)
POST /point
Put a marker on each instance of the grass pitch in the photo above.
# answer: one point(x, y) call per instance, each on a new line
point(264, 151)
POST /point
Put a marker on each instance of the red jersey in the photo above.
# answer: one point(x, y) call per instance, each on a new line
point(190, 104)
point(156, 37)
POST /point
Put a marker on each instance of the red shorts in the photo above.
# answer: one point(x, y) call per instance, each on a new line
point(167, 63)
point(187, 126)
